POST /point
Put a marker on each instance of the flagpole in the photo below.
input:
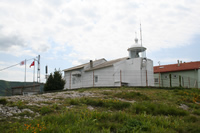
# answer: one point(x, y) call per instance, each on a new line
point(34, 72)
point(25, 74)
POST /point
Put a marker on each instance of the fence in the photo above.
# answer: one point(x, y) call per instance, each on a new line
point(17, 88)
point(27, 90)
point(109, 78)
point(176, 81)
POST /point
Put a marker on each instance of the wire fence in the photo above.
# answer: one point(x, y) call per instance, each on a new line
point(109, 78)
point(177, 81)
point(18, 88)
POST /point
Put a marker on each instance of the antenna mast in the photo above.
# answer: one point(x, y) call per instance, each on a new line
point(38, 71)
point(141, 34)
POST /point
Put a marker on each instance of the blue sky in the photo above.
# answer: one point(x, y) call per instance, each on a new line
point(66, 33)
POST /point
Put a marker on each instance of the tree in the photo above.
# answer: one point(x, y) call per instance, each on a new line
point(55, 81)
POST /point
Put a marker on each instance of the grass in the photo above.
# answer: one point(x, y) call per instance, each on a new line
point(132, 95)
point(107, 103)
point(45, 110)
point(155, 110)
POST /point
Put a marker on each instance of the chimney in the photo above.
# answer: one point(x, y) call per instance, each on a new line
point(46, 69)
point(91, 64)
point(178, 62)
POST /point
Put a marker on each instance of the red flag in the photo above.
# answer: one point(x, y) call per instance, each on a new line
point(32, 64)
point(21, 63)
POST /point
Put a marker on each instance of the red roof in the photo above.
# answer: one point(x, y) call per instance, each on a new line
point(175, 67)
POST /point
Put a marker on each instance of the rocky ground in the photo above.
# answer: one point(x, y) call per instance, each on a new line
point(19, 106)
point(15, 109)
point(12, 110)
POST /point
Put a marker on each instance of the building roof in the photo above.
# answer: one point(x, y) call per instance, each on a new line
point(76, 67)
point(107, 64)
point(176, 67)
point(102, 65)
point(81, 66)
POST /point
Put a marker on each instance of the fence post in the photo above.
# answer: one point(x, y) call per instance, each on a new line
point(195, 83)
point(70, 80)
point(159, 79)
point(179, 80)
point(93, 78)
point(170, 80)
point(120, 78)
point(188, 82)
point(146, 79)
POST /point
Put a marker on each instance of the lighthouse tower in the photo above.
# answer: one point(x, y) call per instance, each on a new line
point(135, 49)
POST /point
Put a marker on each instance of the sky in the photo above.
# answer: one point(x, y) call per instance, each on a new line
point(66, 33)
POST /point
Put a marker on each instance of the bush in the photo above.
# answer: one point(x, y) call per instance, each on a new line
point(3, 101)
point(54, 82)
point(74, 102)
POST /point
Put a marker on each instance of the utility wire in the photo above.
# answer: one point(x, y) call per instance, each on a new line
point(14, 65)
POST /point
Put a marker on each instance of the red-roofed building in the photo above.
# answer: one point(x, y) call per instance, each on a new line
point(185, 74)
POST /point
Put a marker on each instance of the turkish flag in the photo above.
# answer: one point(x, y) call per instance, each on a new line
point(32, 64)
point(22, 63)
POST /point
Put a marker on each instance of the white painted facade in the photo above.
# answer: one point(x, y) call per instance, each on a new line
point(130, 71)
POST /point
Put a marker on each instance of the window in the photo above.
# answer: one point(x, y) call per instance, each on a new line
point(174, 76)
point(96, 79)
point(156, 80)
point(73, 80)
point(166, 76)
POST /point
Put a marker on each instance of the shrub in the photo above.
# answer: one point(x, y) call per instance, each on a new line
point(3, 101)
point(74, 101)
point(54, 82)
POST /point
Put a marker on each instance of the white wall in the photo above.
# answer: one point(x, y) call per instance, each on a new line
point(132, 72)
point(105, 77)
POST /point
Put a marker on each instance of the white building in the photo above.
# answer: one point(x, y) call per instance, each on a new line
point(135, 70)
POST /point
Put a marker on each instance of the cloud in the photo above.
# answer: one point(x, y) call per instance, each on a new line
point(95, 29)
point(6, 42)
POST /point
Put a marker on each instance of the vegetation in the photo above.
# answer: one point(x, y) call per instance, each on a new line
point(121, 110)
point(54, 82)
point(3, 101)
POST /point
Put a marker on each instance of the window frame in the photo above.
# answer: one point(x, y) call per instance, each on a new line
point(156, 80)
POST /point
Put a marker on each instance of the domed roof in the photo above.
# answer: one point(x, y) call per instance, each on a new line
point(136, 47)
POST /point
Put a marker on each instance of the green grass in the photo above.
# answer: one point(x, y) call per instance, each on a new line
point(107, 103)
point(45, 110)
point(157, 109)
point(132, 95)
point(154, 110)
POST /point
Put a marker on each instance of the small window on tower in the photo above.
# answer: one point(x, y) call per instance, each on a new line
point(96, 79)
